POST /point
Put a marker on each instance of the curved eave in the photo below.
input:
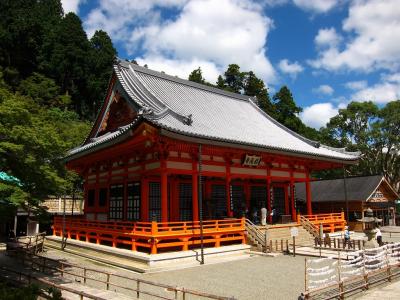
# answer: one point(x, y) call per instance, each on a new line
point(89, 148)
point(210, 140)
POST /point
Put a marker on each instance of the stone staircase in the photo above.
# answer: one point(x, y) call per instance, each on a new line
point(275, 238)
point(278, 233)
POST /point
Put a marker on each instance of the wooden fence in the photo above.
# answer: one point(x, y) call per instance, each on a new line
point(330, 222)
point(335, 279)
point(152, 237)
point(135, 285)
point(28, 278)
point(339, 244)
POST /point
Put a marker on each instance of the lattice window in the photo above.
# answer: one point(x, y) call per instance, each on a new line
point(133, 203)
point(103, 195)
point(155, 201)
point(279, 200)
point(185, 201)
point(116, 211)
point(218, 201)
point(258, 197)
point(91, 196)
point(238, 201)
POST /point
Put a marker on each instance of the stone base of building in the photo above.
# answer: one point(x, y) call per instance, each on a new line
point(143, 262)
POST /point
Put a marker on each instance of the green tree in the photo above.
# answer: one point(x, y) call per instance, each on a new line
point(43, 90)
point(234, 78)
point(24, 25)
point(220, 83)
point(254, 86)
point(286, 110)
point(67, 59)
point(101, 57)
point(372, 131)
point(33, 141)
point(197, 76)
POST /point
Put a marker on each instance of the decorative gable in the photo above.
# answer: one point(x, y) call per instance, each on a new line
point(118, 114)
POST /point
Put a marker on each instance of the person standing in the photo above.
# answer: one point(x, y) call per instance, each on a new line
point(346, 237)
point(378, 235)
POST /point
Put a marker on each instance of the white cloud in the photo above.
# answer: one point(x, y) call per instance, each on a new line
point(316, 6)
point(382, 92)
point(373, 29)
point(117, 17)
point(290, 68)
point(356, 85)
point(70, 5)
point(324, 89)
point(327, 37)
point(317, 115)
point(180, 68)
point(203, 33)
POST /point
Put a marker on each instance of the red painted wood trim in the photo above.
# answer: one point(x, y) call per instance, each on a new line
point(144, 198)
point(308, 195)
point(164, 193)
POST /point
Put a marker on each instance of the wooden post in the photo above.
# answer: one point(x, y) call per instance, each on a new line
point(144, 201)
point(308, 194)
point(137, 289)
point(108, 281)
point(281, 245)
point(164, 195)
point(269, 207)
point(287, 208)
point(84, 275)
point(228, 191)
point(292, 197)
point(294, 246)
point(154, 230)
point(305, 274)
point(195, 192)
point(287, 246)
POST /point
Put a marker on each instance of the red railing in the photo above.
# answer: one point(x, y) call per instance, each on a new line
point(330, 222)
point(150, 237)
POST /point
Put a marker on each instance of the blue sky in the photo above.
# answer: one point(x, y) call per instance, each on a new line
point(328, 52)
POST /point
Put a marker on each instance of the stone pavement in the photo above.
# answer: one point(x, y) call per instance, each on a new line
point(387, 292)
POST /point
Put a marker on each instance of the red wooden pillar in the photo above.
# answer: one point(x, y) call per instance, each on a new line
point(164, 196)
point(287, 208)
point(174, 199)
point(195, 192)
point(247, 192)
point(308, 194)
point(144, 195)
point(292, 199)
point(269, 206)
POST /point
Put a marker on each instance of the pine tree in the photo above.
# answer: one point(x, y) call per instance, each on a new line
point(286, 110)
point(234, 78)
point(254, 86)
point(197, 76)
point(101, 56)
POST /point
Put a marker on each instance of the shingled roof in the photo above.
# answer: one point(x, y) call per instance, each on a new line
point(187, 109)
point(358, 189)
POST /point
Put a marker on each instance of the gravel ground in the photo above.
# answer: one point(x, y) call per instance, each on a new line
point(257, 277)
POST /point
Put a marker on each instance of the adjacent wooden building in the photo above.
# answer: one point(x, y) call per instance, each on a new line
point(363, 192)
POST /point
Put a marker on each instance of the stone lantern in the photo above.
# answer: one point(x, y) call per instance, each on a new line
point(369, 225)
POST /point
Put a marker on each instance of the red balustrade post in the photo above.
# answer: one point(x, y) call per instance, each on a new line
point(154, 231)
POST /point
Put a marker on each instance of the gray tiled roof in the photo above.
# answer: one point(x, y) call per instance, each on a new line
point(196, 110)
point(358, 189)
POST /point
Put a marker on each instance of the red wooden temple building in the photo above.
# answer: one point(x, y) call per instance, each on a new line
point(156, 134)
